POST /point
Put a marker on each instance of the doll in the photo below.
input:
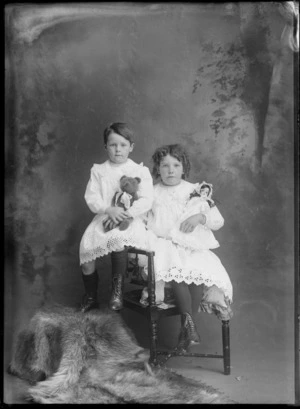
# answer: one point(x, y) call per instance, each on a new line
point(201, 238)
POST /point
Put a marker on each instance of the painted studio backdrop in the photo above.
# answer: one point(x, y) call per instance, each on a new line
point(217, 78)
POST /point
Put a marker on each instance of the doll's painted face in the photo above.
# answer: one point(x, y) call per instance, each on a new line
point(171, 170)
point(204, 192)
point(118, 148)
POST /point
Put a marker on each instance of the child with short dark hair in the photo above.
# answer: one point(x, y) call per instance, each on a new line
point(96, 241)
point(188, 270)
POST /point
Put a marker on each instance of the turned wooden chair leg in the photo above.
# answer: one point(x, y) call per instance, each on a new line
point(153, 342)
point(226, 346)
point(153, 310)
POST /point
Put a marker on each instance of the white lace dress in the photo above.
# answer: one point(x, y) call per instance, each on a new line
point(176, 262)
point(103, 183)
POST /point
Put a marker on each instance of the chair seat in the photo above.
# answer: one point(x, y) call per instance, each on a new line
point(131, 299)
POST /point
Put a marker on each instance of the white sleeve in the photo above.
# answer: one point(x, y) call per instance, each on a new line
point(145, 194)
point(94, 193)
point(214, 219)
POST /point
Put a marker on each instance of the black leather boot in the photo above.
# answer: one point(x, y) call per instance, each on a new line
point(116, 300)
point(119, 262)
point(89, 300)
point(192, 334)
point(188, 334)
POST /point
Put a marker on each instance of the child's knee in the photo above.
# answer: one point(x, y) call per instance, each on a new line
point(119, 251)
point(159, 293)
point(88, 268)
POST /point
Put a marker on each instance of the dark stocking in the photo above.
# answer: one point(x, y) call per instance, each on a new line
point(90, 283)
point(182, 297)
point(196, 292)
point(119, 263)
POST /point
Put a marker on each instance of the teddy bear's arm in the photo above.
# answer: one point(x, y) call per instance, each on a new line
point(145, 195)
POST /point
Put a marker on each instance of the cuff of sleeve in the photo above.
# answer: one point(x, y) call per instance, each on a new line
point(129, 213)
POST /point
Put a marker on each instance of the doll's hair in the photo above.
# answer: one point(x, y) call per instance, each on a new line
point(120, 128)
point(206, 186)
point(178, 152)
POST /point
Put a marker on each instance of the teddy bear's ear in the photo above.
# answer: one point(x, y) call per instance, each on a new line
point(138, 179)
point(124, 176)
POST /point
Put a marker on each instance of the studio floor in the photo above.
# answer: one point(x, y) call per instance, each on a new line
point(258, 376)
point(262, 343)
point(253, 380)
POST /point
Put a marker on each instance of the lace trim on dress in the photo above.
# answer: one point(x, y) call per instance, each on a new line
point(189, 277)
point(113, 244)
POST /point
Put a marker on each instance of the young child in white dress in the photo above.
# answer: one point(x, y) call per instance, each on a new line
point(201, 237)
point(188, 270)
point(96, 242)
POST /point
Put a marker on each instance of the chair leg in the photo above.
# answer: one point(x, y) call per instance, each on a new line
point(153, 342)
point(226, 346)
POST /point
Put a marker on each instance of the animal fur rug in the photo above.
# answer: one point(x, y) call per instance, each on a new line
point(71, 357)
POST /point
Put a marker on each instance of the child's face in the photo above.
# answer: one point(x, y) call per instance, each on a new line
point(171, 171)
point(118, 148)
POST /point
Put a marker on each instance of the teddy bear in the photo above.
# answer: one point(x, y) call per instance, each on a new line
point(124, 198)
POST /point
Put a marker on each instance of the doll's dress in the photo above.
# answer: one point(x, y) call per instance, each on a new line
point(201, 237)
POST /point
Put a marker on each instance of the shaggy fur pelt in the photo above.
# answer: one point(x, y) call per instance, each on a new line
point(73, 357)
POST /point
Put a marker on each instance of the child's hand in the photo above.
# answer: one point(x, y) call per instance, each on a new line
point(116, 214)
point(188, 225)
point(109, 224)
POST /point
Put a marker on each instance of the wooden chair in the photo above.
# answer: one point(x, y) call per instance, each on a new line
point(153, 313)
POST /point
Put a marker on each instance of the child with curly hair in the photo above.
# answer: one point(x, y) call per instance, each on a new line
point(187, 269)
